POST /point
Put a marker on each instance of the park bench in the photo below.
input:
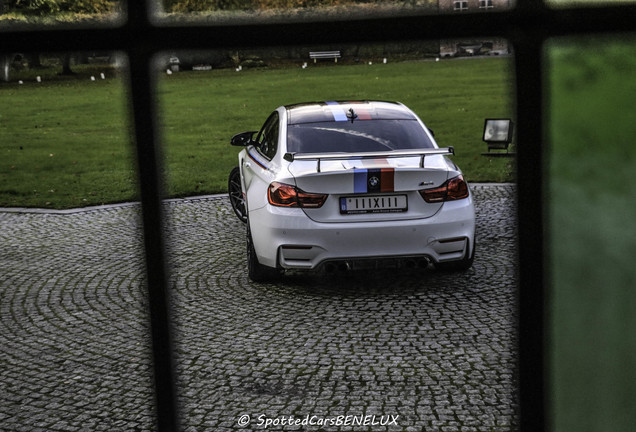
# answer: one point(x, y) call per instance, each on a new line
point(324, 55)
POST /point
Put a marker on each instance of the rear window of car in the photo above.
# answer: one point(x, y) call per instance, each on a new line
point(359, 136)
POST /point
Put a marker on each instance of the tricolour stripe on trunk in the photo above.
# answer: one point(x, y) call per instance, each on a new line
point(373, 180)
point(359, 181)
point(387, 180)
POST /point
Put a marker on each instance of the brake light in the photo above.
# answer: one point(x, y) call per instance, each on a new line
point(283, 195)
point(453, 189)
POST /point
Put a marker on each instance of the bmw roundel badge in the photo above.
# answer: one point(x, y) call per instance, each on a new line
point(374, 181)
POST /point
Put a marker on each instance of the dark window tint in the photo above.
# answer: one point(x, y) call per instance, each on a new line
point(359, 136)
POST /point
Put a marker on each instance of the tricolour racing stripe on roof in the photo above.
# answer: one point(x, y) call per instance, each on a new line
point(316, 112)
point(361, 110)
point(337, 110)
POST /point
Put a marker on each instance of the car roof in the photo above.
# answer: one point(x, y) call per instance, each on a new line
point(331, 111)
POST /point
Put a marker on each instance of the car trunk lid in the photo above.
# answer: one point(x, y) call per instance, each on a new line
point(371, 189)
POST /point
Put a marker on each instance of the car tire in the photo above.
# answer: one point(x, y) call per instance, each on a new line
point(256, 271)
point(235, 193)
point(460, 265)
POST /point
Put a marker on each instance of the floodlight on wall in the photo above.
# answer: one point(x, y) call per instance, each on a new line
point(498, 134)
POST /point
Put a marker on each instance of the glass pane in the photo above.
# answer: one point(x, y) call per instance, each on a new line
point(435, 349)
point(17, 14)
point(75, 348)
point(253, 11)
point(592, 240)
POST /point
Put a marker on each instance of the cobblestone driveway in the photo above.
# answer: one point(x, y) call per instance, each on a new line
point(437, 350)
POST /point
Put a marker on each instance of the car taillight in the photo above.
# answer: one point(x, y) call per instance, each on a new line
point(453, 189)
point(283, 195)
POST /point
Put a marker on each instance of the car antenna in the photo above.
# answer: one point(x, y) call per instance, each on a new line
point(351, 115)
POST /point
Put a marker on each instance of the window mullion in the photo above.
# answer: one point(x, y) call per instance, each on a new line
point(144, 113)
point(149, 162)
point(530, 215)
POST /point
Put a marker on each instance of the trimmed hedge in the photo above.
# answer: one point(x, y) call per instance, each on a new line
point(210, 5)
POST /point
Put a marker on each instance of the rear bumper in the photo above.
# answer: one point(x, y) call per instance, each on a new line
point(287, 238)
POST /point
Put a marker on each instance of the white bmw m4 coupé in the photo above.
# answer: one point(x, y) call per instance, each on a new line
point(342, 184)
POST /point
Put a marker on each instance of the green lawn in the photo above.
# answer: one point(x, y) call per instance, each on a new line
point(64, 144)
point(83, 123)
point(592, 202)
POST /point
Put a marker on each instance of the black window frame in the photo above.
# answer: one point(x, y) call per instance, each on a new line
point(526, 26)
point(266, 144)
point(460, 5)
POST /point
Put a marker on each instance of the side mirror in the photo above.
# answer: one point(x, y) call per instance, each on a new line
point(242, 139)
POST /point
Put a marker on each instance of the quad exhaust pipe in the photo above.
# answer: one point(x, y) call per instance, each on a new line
point(332, 267)
point(345, 266)
point(414, 263)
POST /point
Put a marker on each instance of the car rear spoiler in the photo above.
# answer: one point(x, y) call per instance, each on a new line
point(290, 157)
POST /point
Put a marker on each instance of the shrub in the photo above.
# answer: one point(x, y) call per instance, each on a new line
point(206, 5)
point(47, 7)
point(37, 6)
point(89, 6)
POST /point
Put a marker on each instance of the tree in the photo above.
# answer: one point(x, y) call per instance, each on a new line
point(38, 6)
point(33, 60)
point(89, 6)
point(48, 7)
point(66, 64)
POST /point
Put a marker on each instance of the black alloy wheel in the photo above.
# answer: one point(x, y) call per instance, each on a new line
point(236, 194)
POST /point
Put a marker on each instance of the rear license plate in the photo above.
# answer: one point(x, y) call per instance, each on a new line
point(373, 204)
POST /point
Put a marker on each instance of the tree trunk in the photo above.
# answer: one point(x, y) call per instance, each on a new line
point(5, 63)
point(66, 65)
point(33, 60)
